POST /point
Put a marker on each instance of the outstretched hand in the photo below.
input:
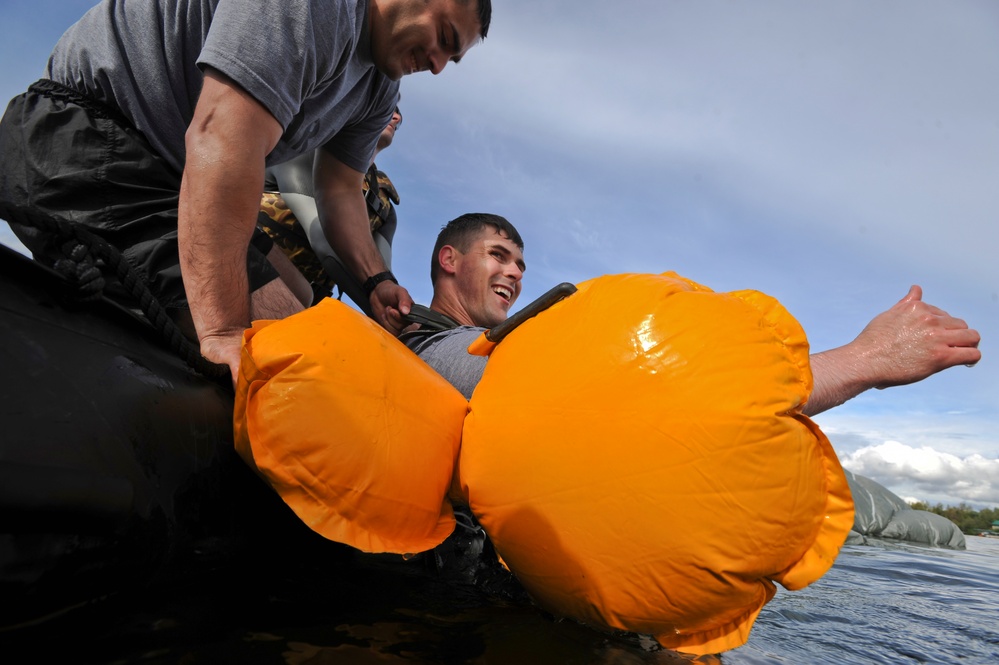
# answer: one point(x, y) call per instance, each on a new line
point(914, 340)
point(389, 304)
point(907, 343)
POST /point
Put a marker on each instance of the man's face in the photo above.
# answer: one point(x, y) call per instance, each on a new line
point(385, 138)
point(488, 276)
point(409, 36)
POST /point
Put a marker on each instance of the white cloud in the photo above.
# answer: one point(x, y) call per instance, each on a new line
point(928, 474)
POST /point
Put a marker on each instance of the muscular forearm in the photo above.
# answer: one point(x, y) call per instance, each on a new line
point(215, 225)
point(227, 143)
point(344, 216)
point(347, 229)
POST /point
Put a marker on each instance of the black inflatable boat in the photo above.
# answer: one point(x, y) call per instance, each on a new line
point(118, 473)
point(116, 460)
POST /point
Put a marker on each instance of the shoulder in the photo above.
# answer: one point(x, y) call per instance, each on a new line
point(446, 351)
point(430, 341)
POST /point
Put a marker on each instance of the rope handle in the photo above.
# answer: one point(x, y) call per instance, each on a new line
point(79, 246)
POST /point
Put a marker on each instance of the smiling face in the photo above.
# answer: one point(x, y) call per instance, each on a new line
point(409, 36)
point(485, 279)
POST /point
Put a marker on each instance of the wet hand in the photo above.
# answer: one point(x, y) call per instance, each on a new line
point(914, 340)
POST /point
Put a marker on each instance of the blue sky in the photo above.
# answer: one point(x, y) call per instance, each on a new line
point(829, 154)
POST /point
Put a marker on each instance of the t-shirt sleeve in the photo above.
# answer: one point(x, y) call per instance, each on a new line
point(354, 144)
point(277, 50)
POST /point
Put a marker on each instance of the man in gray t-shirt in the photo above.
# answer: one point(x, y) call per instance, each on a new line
point(156, 119)
point(476, 269)
point(478, 263)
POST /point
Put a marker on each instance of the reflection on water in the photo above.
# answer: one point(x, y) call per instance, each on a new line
point(879, 604)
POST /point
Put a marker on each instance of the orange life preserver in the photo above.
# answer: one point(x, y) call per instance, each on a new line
point(637, 453)
point(638, 456)
point(354, 432)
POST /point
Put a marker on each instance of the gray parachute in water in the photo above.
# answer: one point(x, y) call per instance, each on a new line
point(882, 514)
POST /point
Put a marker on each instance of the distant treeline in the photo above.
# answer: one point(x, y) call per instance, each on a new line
point(964, 516)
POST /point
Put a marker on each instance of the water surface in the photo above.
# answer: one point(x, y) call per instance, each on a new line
point(880, 603)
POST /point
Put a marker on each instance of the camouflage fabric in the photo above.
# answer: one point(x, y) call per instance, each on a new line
point(380, 195)
point(280, 223)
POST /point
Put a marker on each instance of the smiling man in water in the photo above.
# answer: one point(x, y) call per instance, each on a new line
point(478, 264)
point(476, 270)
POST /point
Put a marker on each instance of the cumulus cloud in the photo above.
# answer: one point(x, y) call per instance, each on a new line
point(928, 474)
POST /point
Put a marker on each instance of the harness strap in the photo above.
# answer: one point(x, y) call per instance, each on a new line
point(429, 320)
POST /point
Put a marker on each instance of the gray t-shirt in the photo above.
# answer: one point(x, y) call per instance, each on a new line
point(305, 61)
point(447, 352)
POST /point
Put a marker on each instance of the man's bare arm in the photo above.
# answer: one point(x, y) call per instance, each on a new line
point(907, 343)
point(344, 217)
point(227, 143)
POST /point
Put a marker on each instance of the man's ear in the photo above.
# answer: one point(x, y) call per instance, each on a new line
point(447, 258)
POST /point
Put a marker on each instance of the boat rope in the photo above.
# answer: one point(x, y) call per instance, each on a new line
point(82, 252)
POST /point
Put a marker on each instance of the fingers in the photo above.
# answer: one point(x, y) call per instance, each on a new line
point(390, 303)
point(396, 324)
point(915, 293)
point(225, 349)
point(970, 348)
point(914, 300)
point(405, 303)
point(392, 320)
point(957, 346)
point(383, 314)
point(964, 355)
point(963, 337)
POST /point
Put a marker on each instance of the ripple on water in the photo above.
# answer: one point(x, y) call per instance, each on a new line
point(887, 603)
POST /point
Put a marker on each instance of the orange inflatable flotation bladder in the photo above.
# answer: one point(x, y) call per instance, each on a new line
point(638, 456)
point(357, 434)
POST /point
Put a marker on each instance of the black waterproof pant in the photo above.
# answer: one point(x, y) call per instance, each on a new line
point(64, 154)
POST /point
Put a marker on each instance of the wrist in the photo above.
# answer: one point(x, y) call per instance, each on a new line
point(372, 282)
point(838, 375)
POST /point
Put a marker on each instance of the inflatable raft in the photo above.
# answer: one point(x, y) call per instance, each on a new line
point(116, 460)
point(118, 471)
point(119, 468)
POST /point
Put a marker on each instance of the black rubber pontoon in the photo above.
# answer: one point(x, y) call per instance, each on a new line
point(116, 459)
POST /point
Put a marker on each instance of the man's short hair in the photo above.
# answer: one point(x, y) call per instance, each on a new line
point(461, 231)
point(485, 16)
